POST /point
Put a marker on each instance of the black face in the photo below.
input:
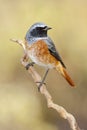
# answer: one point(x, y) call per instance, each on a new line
point(39, 32)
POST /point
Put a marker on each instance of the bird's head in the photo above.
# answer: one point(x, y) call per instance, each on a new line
point(38, 30)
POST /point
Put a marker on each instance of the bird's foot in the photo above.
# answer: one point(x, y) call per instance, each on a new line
point(40, 85)
point(28, 65)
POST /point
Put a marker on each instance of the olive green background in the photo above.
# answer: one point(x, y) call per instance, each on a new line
point(22, 107)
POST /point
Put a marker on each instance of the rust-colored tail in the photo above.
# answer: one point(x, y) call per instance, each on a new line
point(64, 73)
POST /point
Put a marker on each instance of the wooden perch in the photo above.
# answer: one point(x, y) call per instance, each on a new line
point(37, 78)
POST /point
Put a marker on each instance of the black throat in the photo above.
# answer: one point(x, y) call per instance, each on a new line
point(38, 33)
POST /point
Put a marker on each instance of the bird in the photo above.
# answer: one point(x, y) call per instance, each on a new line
point(42, 51)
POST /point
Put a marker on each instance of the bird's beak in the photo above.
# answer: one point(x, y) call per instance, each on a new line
point(48, 28)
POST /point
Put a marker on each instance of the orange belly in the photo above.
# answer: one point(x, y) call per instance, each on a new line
point(39, 53)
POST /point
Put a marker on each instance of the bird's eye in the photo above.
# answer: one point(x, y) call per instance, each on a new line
point(39, 28)
point(45, 27)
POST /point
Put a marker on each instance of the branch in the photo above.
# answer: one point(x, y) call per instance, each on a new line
point(36, 77)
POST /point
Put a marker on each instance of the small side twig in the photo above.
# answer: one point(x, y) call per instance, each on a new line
point(36, 77)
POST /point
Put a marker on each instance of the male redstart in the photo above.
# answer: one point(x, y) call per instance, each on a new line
point(42, 51)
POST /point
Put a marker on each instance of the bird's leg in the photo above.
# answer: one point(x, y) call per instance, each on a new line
point(42, 82)
point(29, 64)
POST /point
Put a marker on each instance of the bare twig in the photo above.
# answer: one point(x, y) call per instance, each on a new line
point(36, 77)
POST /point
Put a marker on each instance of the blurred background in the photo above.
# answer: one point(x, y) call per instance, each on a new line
point(22, 107)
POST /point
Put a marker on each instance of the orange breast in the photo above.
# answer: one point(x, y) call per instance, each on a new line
point(41, 52)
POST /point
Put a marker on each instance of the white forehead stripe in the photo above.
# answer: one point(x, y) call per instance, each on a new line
point(38, 25)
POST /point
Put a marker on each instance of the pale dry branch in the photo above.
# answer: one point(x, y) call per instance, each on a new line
point(36, 77)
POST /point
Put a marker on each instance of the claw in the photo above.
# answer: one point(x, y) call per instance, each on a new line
point(40, 85)
point(28, 65)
